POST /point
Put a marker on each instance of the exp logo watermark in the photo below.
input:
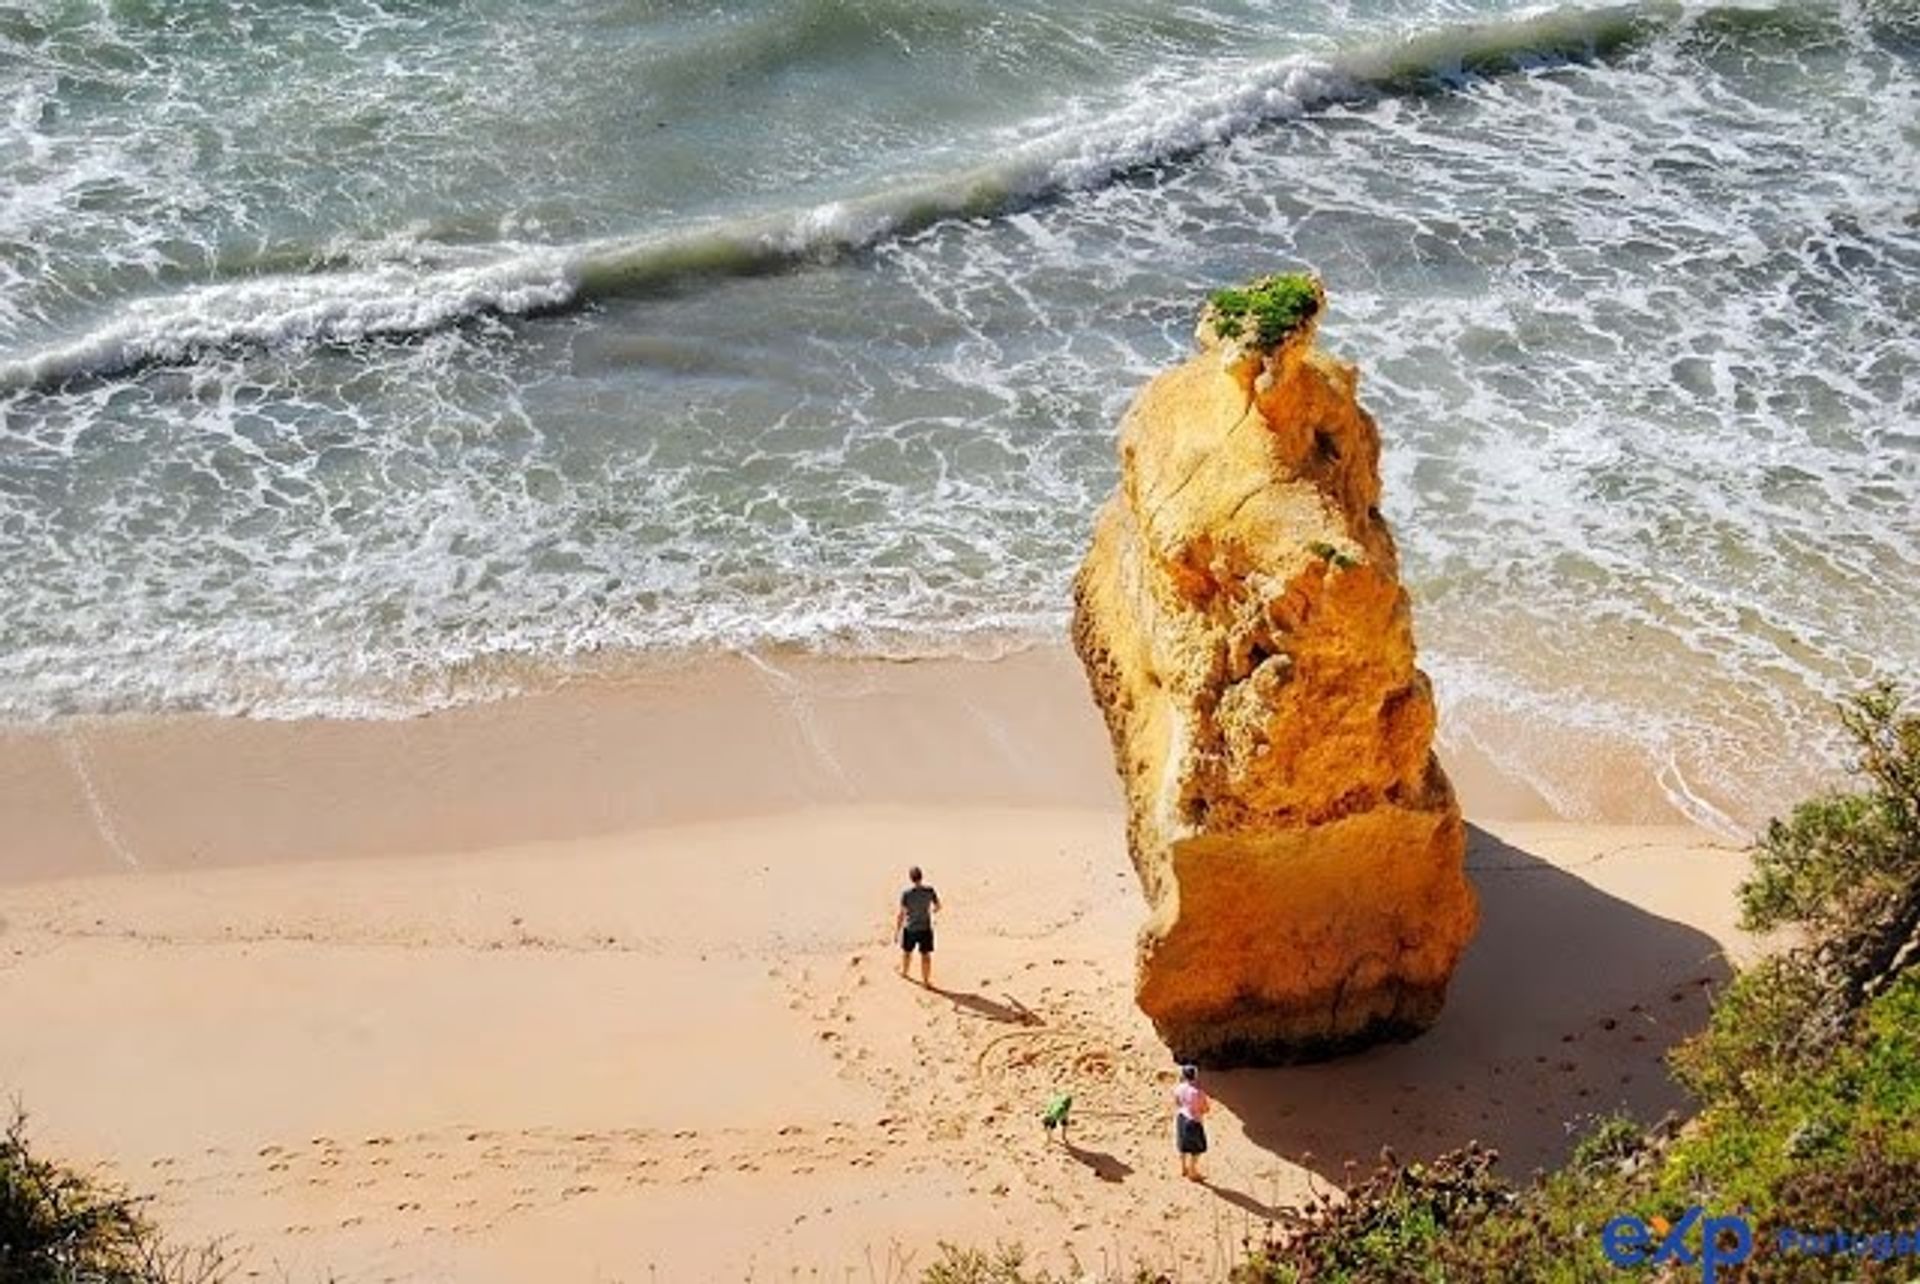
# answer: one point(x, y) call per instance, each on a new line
point(1722, 1241)
point(1728, 1241)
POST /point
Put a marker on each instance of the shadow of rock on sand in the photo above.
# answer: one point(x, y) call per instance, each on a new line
point(1563, 1008)
point(1012, 1011)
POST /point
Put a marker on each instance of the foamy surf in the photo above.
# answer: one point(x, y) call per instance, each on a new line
point(1040, 161)
point(1636, 321)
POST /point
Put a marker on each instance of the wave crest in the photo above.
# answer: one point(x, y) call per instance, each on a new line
point(413, 294)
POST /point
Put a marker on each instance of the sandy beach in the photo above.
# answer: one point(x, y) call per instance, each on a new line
point(520, 523)
point(597, 985)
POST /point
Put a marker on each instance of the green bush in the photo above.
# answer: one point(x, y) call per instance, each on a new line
point(59, 1227)
point(1842, 861)
point(1843, 873)
point(1861, 1094)
point(1776, 1015)
point(1608, 1143)
point(1266, 311)
point(1007, 1264)
point(1389, 1227)
point(1869, 1188)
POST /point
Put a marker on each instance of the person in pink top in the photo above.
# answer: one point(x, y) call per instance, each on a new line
point(1189, 1133)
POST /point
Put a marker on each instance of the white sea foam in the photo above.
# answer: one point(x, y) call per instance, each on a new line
point(1082, 147)
point(272, 312)
point(1638, 332)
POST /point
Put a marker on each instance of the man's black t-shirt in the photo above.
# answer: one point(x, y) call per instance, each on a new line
point(918, 902)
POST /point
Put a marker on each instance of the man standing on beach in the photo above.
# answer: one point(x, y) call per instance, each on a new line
point(914, 925)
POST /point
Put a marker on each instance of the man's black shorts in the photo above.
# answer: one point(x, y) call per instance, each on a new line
point(920, 938)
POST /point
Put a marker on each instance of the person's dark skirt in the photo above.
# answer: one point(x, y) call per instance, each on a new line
point(1189, 1135)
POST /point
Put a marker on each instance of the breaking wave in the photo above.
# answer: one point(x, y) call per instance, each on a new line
point(409, 286)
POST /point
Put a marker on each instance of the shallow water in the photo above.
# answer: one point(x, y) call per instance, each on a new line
point(364, 360)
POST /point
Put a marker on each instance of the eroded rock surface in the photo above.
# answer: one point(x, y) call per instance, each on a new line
point(1241, 619)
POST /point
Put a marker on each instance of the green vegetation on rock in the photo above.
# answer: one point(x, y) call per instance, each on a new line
point(1328, 553)
point(1267, 311)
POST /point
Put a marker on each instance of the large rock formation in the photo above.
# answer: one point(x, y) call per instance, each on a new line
point(1241, 619)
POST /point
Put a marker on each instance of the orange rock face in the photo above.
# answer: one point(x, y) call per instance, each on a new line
point(1241, 619)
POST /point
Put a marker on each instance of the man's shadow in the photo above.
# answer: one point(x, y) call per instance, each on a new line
point(1012, 1011)
point(1562, 1010)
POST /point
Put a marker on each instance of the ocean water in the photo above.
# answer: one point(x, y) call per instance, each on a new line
point(368, 357)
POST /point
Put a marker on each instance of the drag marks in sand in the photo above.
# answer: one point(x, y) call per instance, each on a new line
point(471, 1180)
point(962, 1073)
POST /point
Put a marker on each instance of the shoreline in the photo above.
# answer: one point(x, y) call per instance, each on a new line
point(719, 736)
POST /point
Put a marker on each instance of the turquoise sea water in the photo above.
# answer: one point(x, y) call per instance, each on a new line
point(367, 357)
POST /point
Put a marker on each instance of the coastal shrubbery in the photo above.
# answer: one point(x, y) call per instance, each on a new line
point(1006, 1264)
point(1842, 874)
point(60, 1227)
point(1401, 1215)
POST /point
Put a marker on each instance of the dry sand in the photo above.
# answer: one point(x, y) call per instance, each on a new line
point(597, 985)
